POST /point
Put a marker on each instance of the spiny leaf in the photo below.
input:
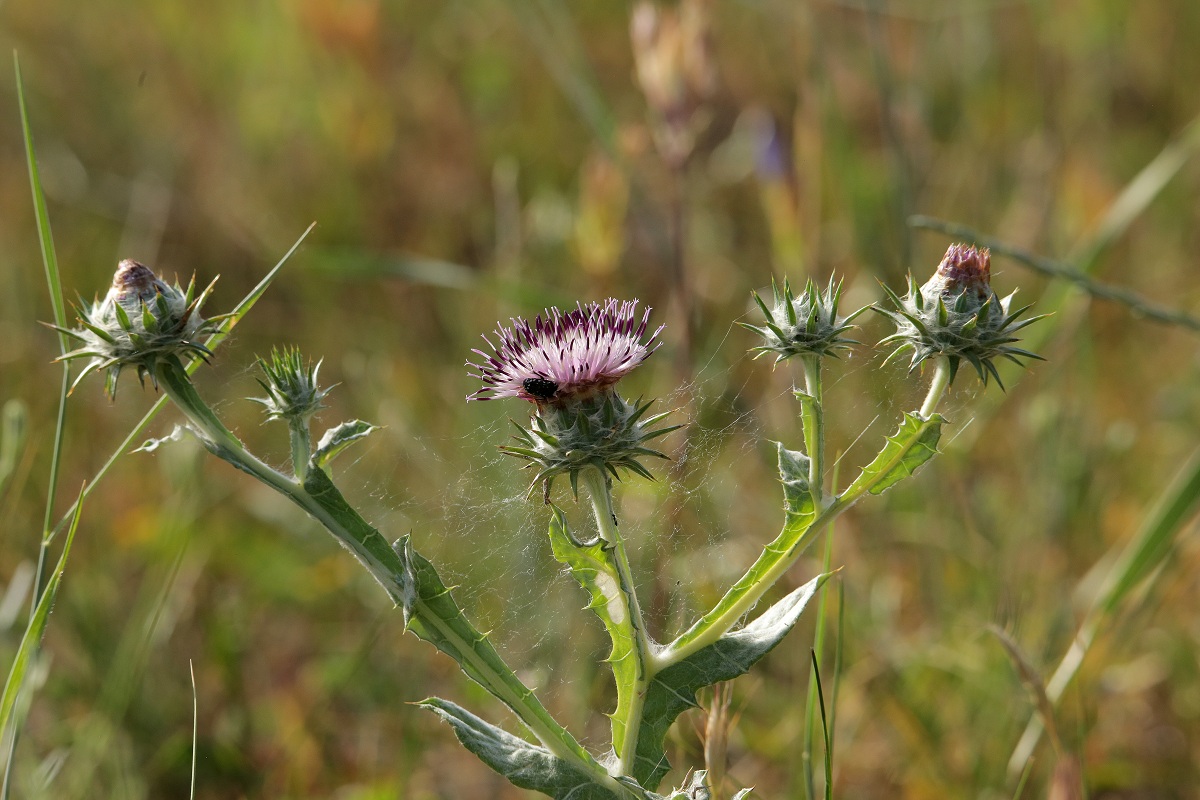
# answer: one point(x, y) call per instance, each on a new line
point(797, 496)
point(338, 438)
point(673, 690)
point(914, 443)
point(526, 765)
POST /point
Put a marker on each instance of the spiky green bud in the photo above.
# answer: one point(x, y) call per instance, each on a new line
point(141, 321)
point(804, 324)
point(291, 386)
point(957, 315)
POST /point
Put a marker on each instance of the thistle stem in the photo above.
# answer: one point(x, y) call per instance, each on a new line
point(775, 560)
point(301, 441)
point(631, 700)
point(941, 381)
point(814, 429)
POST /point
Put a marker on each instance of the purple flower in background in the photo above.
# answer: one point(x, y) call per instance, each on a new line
point(567, 355)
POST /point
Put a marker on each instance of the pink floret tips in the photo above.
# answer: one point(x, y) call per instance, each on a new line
point(562, 355)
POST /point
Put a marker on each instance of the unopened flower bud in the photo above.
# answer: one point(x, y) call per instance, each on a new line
point(804, 324)
point(141, 321)
point(134, 283)
point(957, 315)
point(291, 386)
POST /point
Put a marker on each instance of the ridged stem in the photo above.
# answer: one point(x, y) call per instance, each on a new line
point(630, 698)
point(814, 429)
point(941, 381)
point(301, 442)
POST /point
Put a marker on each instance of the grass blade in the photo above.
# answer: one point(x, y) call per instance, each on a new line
point(1139, 559)
point(54, 285)
point(45, 237)
point(195, 728)
point(14, 430)
point(41, 591)
point(32, 637)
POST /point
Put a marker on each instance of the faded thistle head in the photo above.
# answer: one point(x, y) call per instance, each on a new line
point(957, 315)
point(803, 325)
point(140, 322)
point(677, 71)
point(567, 364)
point(291, 386)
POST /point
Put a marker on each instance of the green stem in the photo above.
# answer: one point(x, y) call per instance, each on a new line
point(301, 441)
point(793, 540)
point(941, 381)
point(814, 429)
point(775, 560)
point(627, 719)
point(177, 386)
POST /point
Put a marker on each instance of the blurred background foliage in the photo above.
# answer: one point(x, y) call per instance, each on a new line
point(469, 161)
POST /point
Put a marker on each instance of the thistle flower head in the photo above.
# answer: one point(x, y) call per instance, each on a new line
point(564, 356)
point(957, 315)
point(291, 386)
point(141, 321)
point(804, 324)
point(567, 364)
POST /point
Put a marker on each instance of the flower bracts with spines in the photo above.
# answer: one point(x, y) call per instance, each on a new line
point(141, 321)
point(803, 324)
point(957, 315)
point(291, 386)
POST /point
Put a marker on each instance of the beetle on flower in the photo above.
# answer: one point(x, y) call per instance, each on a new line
point(567, 363)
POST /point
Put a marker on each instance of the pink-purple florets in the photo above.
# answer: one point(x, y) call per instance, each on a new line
point(561, 356)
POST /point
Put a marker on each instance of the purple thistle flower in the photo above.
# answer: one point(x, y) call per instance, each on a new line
point(565, 355)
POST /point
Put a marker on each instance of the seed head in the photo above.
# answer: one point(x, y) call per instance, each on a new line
point(957, 315)
point(141, 321)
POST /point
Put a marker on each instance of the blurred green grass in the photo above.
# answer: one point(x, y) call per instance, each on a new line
point(465, 162)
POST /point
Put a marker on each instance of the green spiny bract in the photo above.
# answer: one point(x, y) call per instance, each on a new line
point(291, 386)
point(140, 322)
point(602, 431)
point(803, 325)
point(957, 315)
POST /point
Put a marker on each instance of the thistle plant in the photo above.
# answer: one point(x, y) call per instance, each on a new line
point(802, 325)
point(567, 365)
